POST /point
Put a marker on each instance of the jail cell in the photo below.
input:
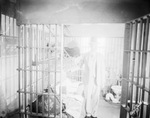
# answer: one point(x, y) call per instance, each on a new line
point(136, 67)
point(40, 63)
point(8, 64)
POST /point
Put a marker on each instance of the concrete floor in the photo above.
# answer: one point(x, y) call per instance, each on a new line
point(108, 110)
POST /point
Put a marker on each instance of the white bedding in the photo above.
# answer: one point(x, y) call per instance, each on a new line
point(73, 104)
point(72, 96)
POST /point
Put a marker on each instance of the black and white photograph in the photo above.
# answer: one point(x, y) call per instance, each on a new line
point(74, 59)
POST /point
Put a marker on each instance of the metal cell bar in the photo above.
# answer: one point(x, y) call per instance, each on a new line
point(36, 60)
point(133, 62)
point(39, 115)
point(55, 69)
point(31, 53)
point(61, 74)
point(51, 94)
point(37, 70)
point(25, 72)
point(9, 27)
point(0, 21)
point(147, 37)
point(126, 63)
point(144, 58)
point(49, 70)
point(43, 37)
point(128, 51)
point(22, 63)
point(4, 40)
point(34, 47)
point(139, 55)
point(129, 56)
point(14, 59)
point(19, 74)
point(40, 54)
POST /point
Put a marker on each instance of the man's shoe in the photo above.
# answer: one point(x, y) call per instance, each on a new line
point(93, 117)
point(88, 116)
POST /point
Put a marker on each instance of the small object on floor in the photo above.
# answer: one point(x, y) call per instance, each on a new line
point(110, 97)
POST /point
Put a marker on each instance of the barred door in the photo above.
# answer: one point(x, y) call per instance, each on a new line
point(135, 102)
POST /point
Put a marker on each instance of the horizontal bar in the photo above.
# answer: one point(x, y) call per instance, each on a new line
point(37, 70)
point(14, 37)
point(140, 77)
point(41, 62)
point(25, 47)
point(39, 114)
point(40, 93)
point(145, 89)
point(134, 102)
point(137, 50)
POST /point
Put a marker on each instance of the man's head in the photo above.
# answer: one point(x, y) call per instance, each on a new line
point(93, 43)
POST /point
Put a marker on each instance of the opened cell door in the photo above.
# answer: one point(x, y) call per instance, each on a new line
point(135, 100)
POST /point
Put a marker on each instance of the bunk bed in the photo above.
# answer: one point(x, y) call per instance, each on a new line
point(48, 103)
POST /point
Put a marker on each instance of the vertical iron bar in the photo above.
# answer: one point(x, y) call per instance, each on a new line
point(31, 53)
point(139, 59)
point(49, 52)
point(14, 58)
point(0, 19)
point(19, 38)
point(21, 62)
point(0, 32)
point(126, 65)
point(36, 60)
point(145, 42)
point(25, 72)
point(129, 56)
point(56, 48)
point(42, 68)
point(147, 37)
point(61, 76)
point(5, 57)
point(142, 68)
point(128, 68)
point(133, 63)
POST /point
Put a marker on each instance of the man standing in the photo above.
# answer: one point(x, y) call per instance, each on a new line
point(93, 79)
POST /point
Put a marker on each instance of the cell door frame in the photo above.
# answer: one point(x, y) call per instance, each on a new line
point(135, 97)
